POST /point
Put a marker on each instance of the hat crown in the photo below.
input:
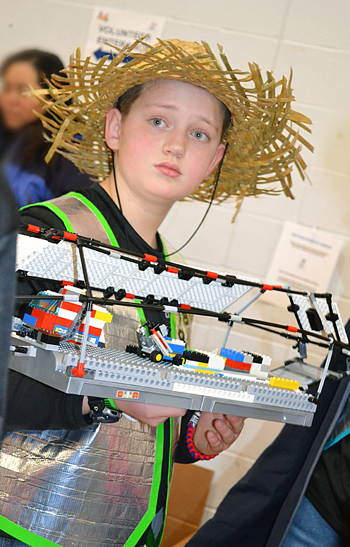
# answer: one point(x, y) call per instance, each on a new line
point(262, 144)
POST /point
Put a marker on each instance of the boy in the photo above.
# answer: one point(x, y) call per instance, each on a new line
point(152, 130)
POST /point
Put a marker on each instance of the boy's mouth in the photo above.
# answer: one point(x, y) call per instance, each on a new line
point(168, 169)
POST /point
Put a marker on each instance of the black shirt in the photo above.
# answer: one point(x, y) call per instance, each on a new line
point(32, 405)
point(123, 231)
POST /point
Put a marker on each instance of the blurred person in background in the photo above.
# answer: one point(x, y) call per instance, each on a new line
point(22, 144)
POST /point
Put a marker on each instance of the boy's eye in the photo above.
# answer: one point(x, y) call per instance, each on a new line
point(200, 136)
point(157, 122)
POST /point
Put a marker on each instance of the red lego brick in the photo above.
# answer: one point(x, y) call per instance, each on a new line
point(70, 306)
point(238, 365)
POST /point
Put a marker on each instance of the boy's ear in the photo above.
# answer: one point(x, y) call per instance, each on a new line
point(112, 128)
point(216, 159)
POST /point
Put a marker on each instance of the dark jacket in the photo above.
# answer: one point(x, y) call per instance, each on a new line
point(31, 179)
point(8, 226)
point(259, 509)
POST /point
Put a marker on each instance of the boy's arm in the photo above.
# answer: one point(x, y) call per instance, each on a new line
point(32, 405)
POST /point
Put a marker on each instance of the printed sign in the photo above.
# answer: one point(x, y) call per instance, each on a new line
point(119, 28)
point(304, 259)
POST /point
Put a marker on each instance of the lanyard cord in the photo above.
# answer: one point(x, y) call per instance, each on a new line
point(210, 204)
point(116, 185)
point(119, 203)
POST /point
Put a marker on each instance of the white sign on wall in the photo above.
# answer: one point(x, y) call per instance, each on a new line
point(304, 259)
point(119, 28)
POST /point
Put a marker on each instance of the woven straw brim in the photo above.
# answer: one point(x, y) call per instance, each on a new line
point(262, 143)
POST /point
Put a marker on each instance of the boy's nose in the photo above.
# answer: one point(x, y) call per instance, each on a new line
point(175, 144)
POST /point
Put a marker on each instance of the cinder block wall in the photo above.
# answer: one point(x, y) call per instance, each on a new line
point(313, 38)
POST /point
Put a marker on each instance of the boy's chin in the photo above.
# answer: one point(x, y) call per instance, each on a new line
point(170, 192)
point(165, 193)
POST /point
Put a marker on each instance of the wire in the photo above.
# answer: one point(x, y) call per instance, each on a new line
point(116, 185)
point(119, 204)
point(204, 216)
point(208, 208)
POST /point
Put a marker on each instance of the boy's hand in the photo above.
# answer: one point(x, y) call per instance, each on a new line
point(216, 432)
point(149, 414)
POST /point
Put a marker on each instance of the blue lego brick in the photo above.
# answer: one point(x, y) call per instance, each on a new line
point(30, 319)
point(232, 354)
point(175, 347)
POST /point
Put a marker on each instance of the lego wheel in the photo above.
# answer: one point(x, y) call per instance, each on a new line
point(156, 356)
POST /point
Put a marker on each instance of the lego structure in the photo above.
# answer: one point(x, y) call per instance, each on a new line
point(51, 321)
point(59, 340)
point(154, 342)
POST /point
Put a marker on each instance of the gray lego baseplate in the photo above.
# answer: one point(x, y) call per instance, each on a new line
point(121, 375)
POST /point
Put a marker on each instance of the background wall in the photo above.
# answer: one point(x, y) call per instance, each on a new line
point(311, 36)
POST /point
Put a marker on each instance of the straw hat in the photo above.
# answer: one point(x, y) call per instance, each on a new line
point(262, 144)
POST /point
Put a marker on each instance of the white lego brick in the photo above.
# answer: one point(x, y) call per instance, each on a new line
point(66, 314)
point(256, 367)
point(242, 396)
point(260, 374)
point(217, 362)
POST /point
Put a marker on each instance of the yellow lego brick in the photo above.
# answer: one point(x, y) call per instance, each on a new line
point(103, 316)
point(205, 371)
point(284, 383)
point(197, 363)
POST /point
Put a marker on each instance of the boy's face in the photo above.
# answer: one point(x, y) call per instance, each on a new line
point(168, 143)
